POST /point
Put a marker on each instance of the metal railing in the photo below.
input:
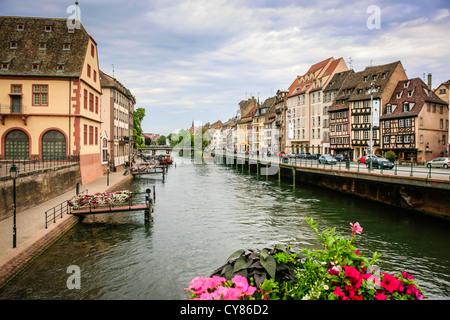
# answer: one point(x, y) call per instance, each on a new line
point(35, 163)
point(406, 170)
point(58, 211)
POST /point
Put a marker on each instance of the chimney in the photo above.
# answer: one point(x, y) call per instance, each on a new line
point(429, 82)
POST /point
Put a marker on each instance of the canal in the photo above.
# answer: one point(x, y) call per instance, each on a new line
point(205, 212)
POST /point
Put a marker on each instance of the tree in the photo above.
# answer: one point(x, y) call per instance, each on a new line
point(161, 141)
point(138, 116)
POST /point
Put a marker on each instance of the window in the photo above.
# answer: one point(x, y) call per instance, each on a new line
point(95, 76)
point(92, 50)
point(410, 93)
point(96, 104)
point(401, 123)
point(383, 75)
point(406, 84)
point(428, 107)
point(5, 66)
point(408, 122)
point(85, 99)
point(386, 139)
point(53, 145)
point(442, 91)
point(60, 68)
point(13, 45)
point(441, 123)
point(374, 78)
point(366, 119)
point(387, 124)
point(96, 136)
point(441, 109)
point(91, 135)
point(66, 46)
point(85, 134)
point(357, 135)
point(40, 95)
point(365, 78)
point(104, 150)
point(91, 101)
point(20, 27)
point(89, 70)
point(406, 107)
point(421, 139)
point(35, 67)
point(42, 46)
point(398, 139)
point(434, 108)
point(48, 28)
point(406, 139)
point(17, 145)
point(16, 98)
point(366, 134)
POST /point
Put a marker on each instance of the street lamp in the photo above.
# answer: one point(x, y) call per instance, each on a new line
point(107, 170)
point(14, 173)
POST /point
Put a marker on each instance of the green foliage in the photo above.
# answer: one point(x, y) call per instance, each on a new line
point(138, 116)
point(390, 156)
point(278, 264)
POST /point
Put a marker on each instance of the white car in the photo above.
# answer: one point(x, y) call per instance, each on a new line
point(439, 162)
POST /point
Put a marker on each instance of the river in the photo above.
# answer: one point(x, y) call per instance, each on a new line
point(205, 212)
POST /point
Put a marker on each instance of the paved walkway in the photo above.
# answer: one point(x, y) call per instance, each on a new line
point(30, 223)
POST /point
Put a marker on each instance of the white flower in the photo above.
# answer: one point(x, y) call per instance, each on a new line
point(326, 287)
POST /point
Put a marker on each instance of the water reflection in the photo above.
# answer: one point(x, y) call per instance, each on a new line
point(204, 213)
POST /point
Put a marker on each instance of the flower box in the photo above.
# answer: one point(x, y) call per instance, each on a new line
point(104, 199)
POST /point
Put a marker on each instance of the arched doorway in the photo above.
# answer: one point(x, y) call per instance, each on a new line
point(17, 145)
point(53, 145)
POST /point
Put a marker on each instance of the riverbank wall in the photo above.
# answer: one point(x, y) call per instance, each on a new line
point(33, 238)
point(421, 195)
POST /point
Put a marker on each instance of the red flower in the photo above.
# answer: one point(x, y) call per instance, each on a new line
point(380, 296)
point(391, 283)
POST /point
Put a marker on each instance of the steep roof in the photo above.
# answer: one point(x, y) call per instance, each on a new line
point(106, 81)
point(419, 95)
point(337, 80)
point(28, 50)
point(382, 73)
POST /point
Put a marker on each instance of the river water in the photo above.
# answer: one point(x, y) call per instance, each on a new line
point(205, 212)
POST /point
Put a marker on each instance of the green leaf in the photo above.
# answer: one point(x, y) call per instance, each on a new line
point(270, 265)
point(241, 263)
point(281, 247)
point(227, 271)
point(236, 254)
point(264, 254)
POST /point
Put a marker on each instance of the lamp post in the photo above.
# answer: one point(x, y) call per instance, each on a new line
point(372, 90)
point(107, 170)
point(14, 172)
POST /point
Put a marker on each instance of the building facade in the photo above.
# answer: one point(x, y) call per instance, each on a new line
point(117, 127)
point(415, 123)
point(375, 89)
point(50, 94)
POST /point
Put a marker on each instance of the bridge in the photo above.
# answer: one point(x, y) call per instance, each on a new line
point(153, 149)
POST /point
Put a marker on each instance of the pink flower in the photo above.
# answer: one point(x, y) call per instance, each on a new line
point(242, 283)
point(352, 273)
point(406, 275)
point(338, 292)
point(391, 283)
point(356, 228)
point(380, 296)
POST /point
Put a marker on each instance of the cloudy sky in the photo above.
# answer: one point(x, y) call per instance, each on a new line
point(194, 60)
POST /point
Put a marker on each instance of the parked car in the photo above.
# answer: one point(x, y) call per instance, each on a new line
point(303, 155)
point(291, 155)
point(314, 156)
point(439, 162)
point(341, 157)
point(364, 159)
point(327, 159)
point(379, 162)
point(282, 154)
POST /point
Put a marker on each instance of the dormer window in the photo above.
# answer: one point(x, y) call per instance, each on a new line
point(406, 84)
point(365, 78)
point(13, 45)
point(406, 107)
point(20, 27)
point(5, 66)
point(374, 78)
point(35, 67)
point(60, 68)
point(42, 46)
point(388, 109)
point(410, 93)
point(399, 94)
point(383, 75)
point(66, 46)
point(48, 28)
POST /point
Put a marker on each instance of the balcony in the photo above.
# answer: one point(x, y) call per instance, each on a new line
point(7, 110)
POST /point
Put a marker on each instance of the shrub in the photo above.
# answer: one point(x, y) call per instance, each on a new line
point(337, 272)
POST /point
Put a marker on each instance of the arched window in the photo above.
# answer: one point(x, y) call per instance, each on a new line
point(53, 145)
point(17, 145)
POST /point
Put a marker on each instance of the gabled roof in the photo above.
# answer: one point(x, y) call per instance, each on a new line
point(383, 75)
point(420, 94)
point(28, 52)
point(337, 80)
point(106, 81)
